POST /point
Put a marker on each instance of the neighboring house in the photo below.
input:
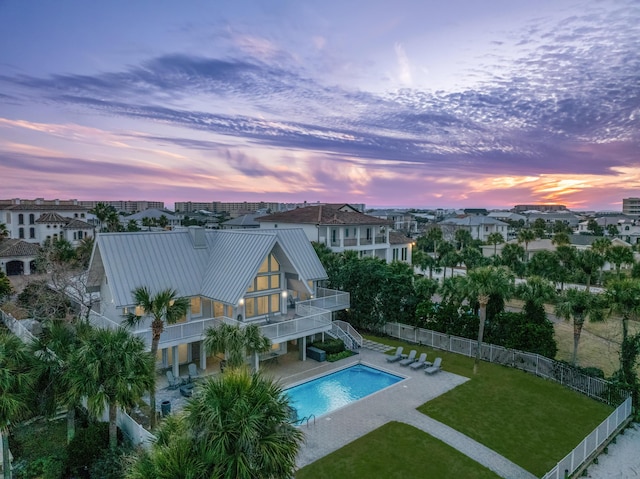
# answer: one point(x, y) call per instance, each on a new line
point(153, 214)
point(532, 248)
point(402, 221)
point(566, 217)
point(242, 222)
point(17, 257)
point(269, 277)
point(577, 241)
point(480, 227)
point(401, 247)
point(340, 227)
point(35, 221)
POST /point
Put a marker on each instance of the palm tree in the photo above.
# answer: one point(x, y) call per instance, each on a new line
point(512, 257)
point(111, 368)
point(535, 292)
point(238, 426)
point(436, 236)
point(623, 298)
point(560, 238)
point(163, 306)
point(4, 231)
point(495, 239)
point(463, 238)
point(52, 351)
point(481, 284)
point(588, 261)
point(16, 389)
point(101, 211)
point(619, 255)
point(567, 257)
point(236, 342)
point(601, 246)
point(83, 251)
point(526, 236)
point(576, 305)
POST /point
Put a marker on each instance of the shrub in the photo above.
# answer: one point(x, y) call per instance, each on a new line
point(338, 356)
point(330, 346)
point(110, 465)
point(87, 445)
point(47, 467)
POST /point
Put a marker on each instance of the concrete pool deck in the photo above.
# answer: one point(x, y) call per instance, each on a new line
point(395, 403)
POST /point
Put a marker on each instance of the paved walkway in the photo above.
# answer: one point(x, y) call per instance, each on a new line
point(398, 403)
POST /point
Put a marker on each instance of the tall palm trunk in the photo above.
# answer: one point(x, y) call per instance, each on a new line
point(578, 322)
point(71, 423)
point(6, 462)
point(113, 426)
point(155, 341)
point(483, 300)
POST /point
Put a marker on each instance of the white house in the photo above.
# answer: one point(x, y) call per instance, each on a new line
point(402, 221)
point(480, 227)
point(269, 277)
point(35, 221)
point(152, 214)
point(17, 257)
point(340, 227)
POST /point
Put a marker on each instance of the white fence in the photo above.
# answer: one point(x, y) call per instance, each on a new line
point(591, 443)
point(16, 327)
point(534, 363)
point(137, 434)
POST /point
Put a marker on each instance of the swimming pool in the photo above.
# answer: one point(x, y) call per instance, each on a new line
point(332, 391)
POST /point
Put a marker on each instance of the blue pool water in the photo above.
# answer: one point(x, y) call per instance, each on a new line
point(328, 393)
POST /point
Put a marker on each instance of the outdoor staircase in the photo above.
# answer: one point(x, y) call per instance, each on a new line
point(347, 333)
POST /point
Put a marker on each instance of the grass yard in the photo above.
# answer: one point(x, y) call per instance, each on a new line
point(396, 451)
point(38, 439)
point(529, 420)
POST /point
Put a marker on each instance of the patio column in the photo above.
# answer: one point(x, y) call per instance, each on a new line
point(203, 356)
point(302, 348)
point(175, 358)
point(165, 357)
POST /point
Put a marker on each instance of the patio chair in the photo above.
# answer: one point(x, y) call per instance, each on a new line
point(435, 368)
point(193, 372)
point(397, 356)
point(420, 363)
point(410, 359)
point(174, 383)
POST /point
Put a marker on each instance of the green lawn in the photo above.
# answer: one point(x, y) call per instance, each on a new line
point(392, 451)
point(529, 420)
point(38, 439)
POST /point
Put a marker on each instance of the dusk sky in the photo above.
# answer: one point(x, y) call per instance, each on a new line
point(457, 103)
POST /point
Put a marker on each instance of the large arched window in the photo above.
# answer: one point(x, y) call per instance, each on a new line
point(32, 219)
point(20, 219)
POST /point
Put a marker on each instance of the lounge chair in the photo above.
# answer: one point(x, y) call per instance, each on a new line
point(410, 359)
point(435, 368)
point(395, 357)
point(174, 383)
point(193, 372)
point(420, 363)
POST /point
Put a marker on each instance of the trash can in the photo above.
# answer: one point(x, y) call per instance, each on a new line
point(165, 407)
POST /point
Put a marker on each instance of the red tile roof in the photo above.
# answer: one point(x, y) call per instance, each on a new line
point(328, 214)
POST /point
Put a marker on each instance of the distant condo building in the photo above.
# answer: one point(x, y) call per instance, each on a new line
point(631, 206)
point(125, 206)
point(542, 208)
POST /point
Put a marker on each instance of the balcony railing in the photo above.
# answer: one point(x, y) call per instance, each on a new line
point(312, 316)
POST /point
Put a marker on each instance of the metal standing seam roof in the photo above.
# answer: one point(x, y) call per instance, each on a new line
point(221, 271)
